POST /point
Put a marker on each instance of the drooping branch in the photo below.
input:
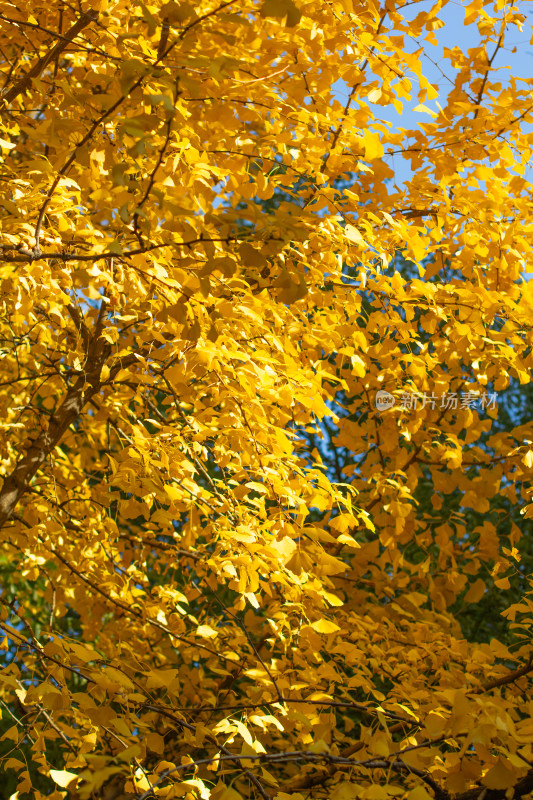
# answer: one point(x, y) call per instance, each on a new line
point(25, 81)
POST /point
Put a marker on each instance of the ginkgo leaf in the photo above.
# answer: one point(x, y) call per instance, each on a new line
point(475, 592)
point(528, 459)
point(281, 8)
point(353, 234)
point(500, 776)
point(422, 109)
point(63, 777)
point(374, 95)
point(230, 794)
point(324, 626)
point(206, 631)
point(419, 793)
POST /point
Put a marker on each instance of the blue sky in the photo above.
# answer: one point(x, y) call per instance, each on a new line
point(515, 58)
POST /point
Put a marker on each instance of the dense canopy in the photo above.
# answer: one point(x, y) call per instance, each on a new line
point(265, 502)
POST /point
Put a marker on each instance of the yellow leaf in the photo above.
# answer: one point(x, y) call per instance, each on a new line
point(353, 234)
point(374, 95)
point(500, 776)
point(244, 732)
point(62, 777)
point(528, 459)
point(345, 538)
point(419, 793)
point(503, 583)
point(342, 522)
point(230, 794)
point(282, 8)
point(422, 109)
point(475, 592)
point(206, 632)
point(324, 626)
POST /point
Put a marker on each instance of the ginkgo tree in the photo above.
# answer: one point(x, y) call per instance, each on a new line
point(201, 301)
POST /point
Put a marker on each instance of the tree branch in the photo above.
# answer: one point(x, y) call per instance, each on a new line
point(523, 787)
point(16, 484)
point(509, 678)
point(23, 83)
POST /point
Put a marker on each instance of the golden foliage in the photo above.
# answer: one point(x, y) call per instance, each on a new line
point(195, 605)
